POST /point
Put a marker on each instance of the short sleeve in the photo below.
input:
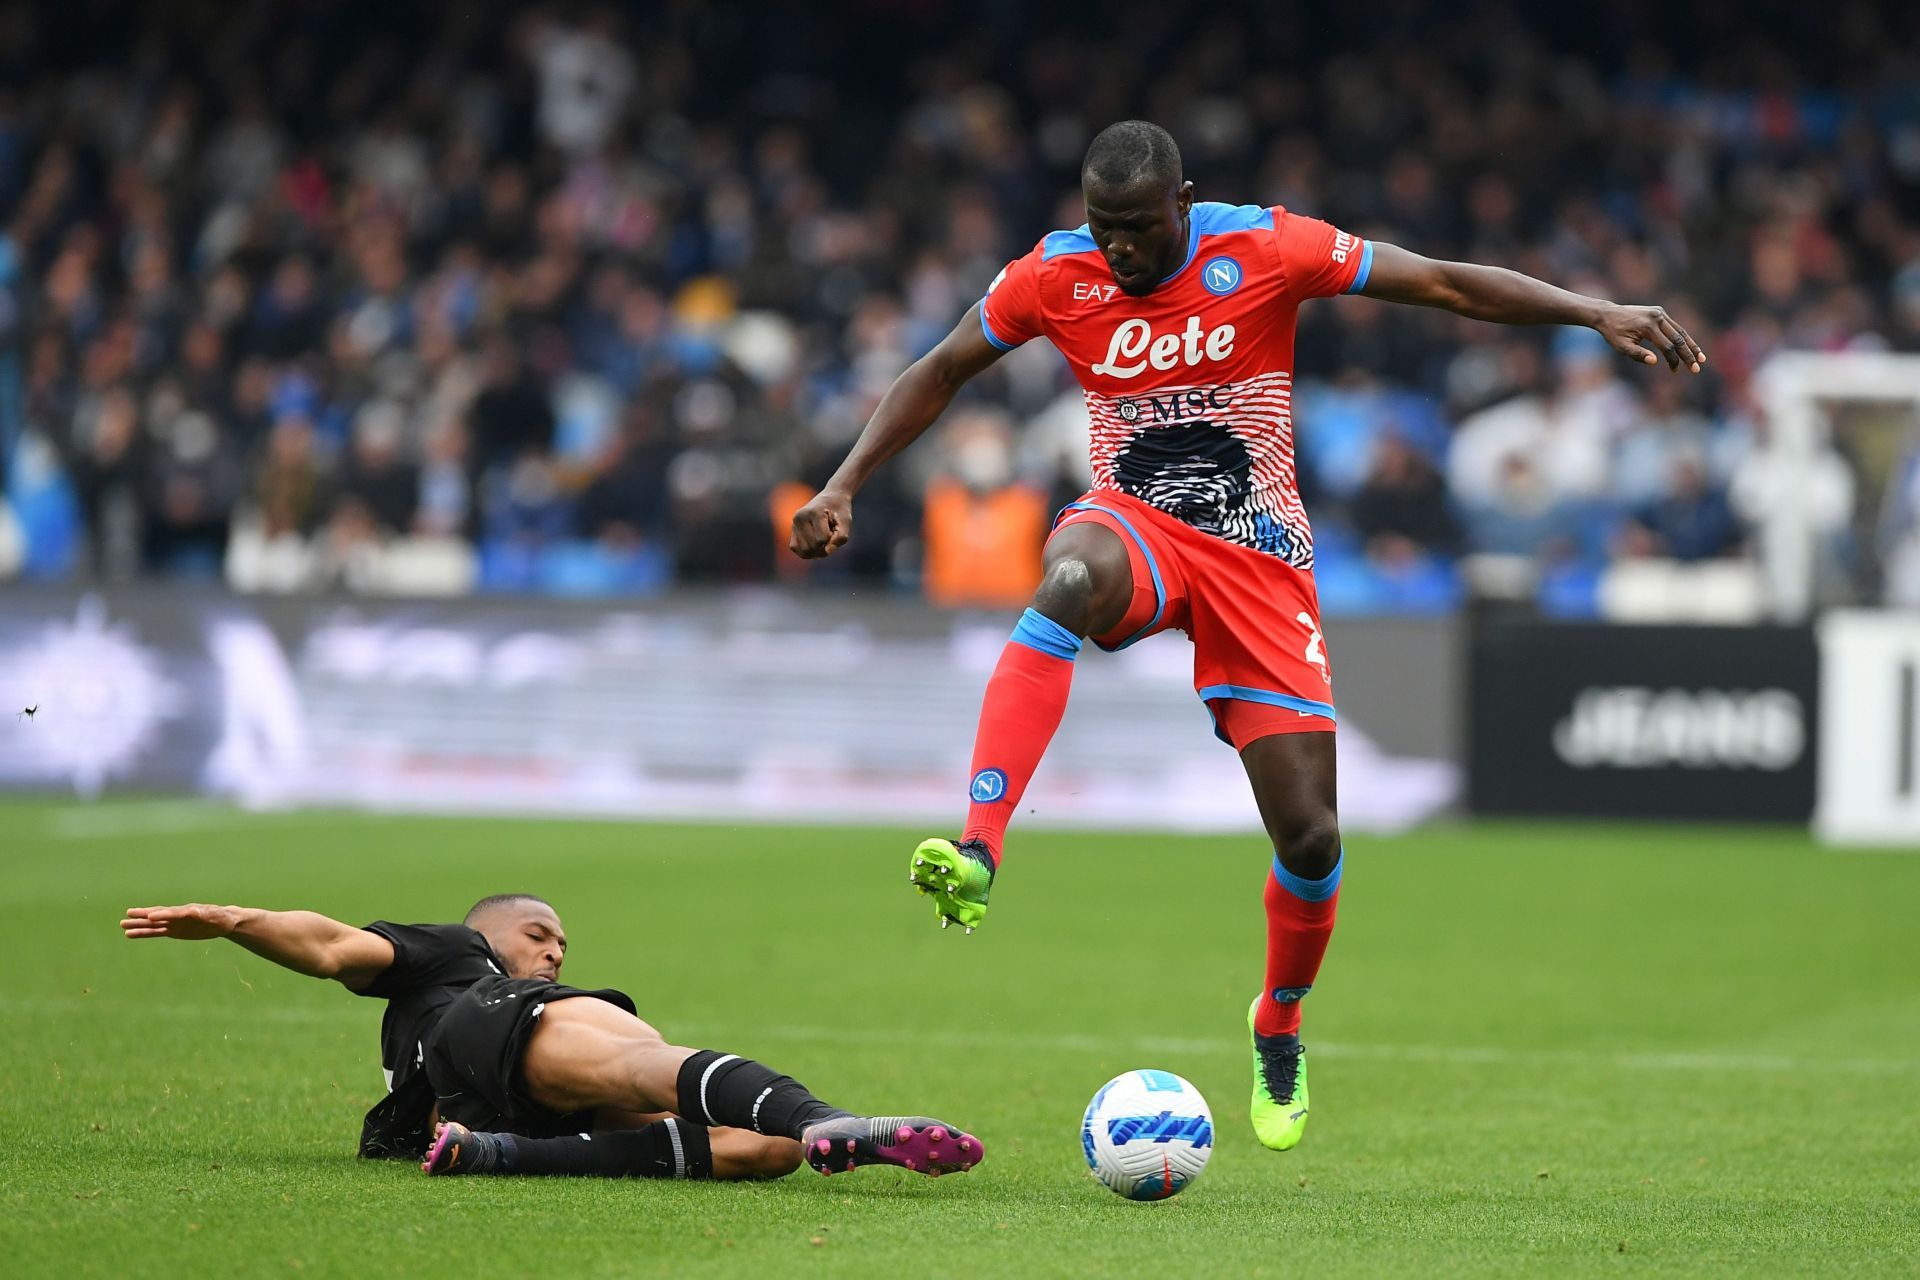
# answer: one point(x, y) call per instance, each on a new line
point(423, 954)
point(1318, 258)
point(1010, 311)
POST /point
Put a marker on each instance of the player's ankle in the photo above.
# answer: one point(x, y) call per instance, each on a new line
point(981, 845)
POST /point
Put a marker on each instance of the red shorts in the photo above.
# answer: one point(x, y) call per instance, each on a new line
point(1259, 661)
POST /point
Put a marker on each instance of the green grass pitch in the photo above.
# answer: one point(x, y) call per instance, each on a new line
point(1536, 1050)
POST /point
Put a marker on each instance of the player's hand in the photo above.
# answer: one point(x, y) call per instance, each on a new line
point(823, 525)
point(192, 922)
point(1633, 330)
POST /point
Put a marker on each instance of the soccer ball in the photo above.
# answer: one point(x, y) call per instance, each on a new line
point(1147, 1134)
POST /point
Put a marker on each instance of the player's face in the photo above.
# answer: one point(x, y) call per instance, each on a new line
point(1141, 231)
point(529, 940)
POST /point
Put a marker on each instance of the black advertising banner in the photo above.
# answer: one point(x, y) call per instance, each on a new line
point(1643, 722)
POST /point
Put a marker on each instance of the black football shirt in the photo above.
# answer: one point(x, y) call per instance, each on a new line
point(432, 965)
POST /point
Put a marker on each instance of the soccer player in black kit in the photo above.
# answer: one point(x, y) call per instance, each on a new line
point(494, 1066)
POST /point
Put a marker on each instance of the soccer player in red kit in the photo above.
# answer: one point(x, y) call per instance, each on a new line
point(1178, 320)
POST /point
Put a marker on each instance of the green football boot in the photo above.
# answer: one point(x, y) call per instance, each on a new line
point(1279, 1087)
point(957, 877)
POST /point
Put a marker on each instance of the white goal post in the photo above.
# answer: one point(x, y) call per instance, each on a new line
point(1869, 783)
point(1794, 388)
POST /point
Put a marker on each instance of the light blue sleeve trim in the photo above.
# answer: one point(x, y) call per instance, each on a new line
point(1037, 631)
point(1366, 269)
point(1055, 243)
point(1153, 569)
point(1214, 218)
point(1306, 706)
point(987, 329)
point(1310, 890)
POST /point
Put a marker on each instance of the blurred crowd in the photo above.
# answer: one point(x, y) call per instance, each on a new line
point(585, 299)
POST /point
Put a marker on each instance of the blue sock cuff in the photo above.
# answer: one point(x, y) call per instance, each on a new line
point(1038, 631)
point(1310, 890)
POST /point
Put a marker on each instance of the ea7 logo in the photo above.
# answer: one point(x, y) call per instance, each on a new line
point(1165, 1127)
point(1087, 291)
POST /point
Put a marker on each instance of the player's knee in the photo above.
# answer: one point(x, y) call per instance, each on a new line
point(1087, 583)
point(1066, 593)
point(1311, 850)
point(648, 1072)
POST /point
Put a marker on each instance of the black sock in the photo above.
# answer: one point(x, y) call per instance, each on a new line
point(722, 1089)
point(670, 1148)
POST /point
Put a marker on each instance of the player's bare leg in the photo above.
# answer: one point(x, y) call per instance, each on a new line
point(1293, 777)
point(589, 1054)
point(1085, 590)
point(631, 1146)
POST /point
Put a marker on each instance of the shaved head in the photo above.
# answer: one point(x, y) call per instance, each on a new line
point(524, 931)
point(486, 906)
point(1132, 155)
point(1137, 204)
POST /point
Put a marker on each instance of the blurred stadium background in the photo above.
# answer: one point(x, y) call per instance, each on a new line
point(401, 407)
point(344, 341)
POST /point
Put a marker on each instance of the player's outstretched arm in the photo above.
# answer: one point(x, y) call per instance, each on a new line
point(1645, 333)
point(916, 398)
point(303, 941)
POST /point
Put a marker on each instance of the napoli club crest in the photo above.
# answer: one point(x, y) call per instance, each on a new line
point(1220, 275)
point(988, 785)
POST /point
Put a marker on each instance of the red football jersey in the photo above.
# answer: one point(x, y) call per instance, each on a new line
point(1190, 388)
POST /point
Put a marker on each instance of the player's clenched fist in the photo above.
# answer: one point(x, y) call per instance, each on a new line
point(822, 526)
point(194, 922)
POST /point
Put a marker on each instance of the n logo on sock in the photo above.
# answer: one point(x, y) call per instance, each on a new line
point(1290, 995)
point(988, 785)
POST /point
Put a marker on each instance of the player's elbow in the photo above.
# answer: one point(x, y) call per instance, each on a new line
point(1446, 290)
point(326, 961)
point(942, 371)
point(349, 961)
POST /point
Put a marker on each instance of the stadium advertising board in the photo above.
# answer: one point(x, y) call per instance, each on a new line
point(764, 706)
point(1870, 723)
point(1630, 721)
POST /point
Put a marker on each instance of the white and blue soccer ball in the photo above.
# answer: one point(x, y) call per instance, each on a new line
point(1147, 1134)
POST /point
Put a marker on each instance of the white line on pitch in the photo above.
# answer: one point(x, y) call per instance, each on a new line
point(148, 817)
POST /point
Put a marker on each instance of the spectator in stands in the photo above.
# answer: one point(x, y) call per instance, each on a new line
point(109, 466)
point(377, 480)
point(984, 530)
point(1401, 510)
point(1523, 515)
point(193, 484)
point(280, 222)
point(625, 505)
point(1663, 429)
point(1899, 533)
point(1691, 521)
point(513, 415)
point(293, 490)
point(445, 507)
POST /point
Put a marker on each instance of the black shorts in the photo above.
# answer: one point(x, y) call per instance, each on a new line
point(474, 1056)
